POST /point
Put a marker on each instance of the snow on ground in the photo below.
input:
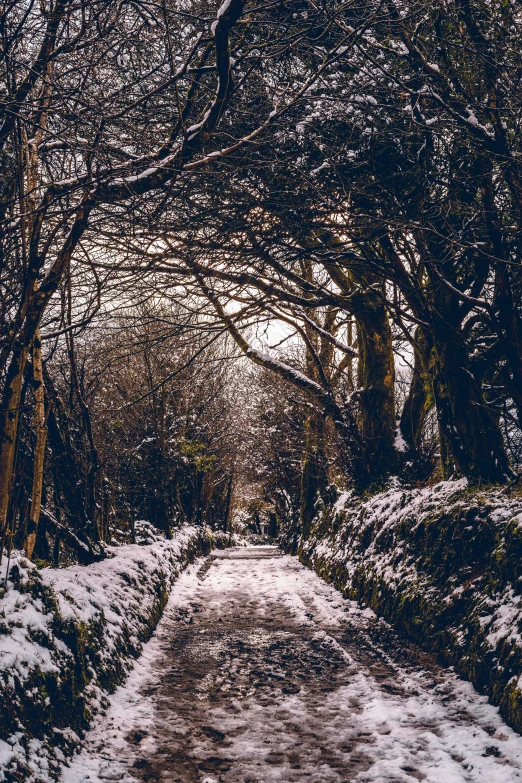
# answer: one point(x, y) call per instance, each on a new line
point(68, 634)
point(259, 672)
point(443, 562)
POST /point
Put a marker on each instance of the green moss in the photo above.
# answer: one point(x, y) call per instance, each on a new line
point(444, 570)
point(42, 702)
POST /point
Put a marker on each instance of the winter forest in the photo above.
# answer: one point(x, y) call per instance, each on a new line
point(261, 302)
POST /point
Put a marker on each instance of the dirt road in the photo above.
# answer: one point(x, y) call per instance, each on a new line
point(261, 672)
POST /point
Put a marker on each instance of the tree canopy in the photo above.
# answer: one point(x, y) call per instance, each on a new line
point(179, 183)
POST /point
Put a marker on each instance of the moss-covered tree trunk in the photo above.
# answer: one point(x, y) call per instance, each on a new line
point(8, 430)
point(366, 302)
point(420, 397)
point(39, 449)
point(314, 477)
point(376, 382)
point(470, 435)
point(470, 430)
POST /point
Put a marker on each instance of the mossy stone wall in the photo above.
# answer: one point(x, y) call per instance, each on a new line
point(445, 570)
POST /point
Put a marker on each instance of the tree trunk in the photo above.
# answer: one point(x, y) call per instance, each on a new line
point(420, 398)
point(66, 470)
point(93, 459)
point(506, 306)
point(8, 430)
point(39, 450)
point(377, 458)
point(471, 439)
point(470, 431)
point(376, 381)
point(228, 504)
point(314, 479)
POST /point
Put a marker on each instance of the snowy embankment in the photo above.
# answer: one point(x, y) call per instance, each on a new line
point(443, 564)
point(259, 671)
point(69, 636)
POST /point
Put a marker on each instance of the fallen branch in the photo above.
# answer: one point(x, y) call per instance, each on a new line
point(85, 550)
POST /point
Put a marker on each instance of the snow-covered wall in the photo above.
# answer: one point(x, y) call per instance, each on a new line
point(68, 637)
point(442, 563)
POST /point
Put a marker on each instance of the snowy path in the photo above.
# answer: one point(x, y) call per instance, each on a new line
point(260, 672)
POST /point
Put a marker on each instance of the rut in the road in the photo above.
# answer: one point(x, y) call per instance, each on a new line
point(261, 672)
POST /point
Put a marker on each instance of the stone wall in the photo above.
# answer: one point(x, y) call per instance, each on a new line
point(443, 564)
